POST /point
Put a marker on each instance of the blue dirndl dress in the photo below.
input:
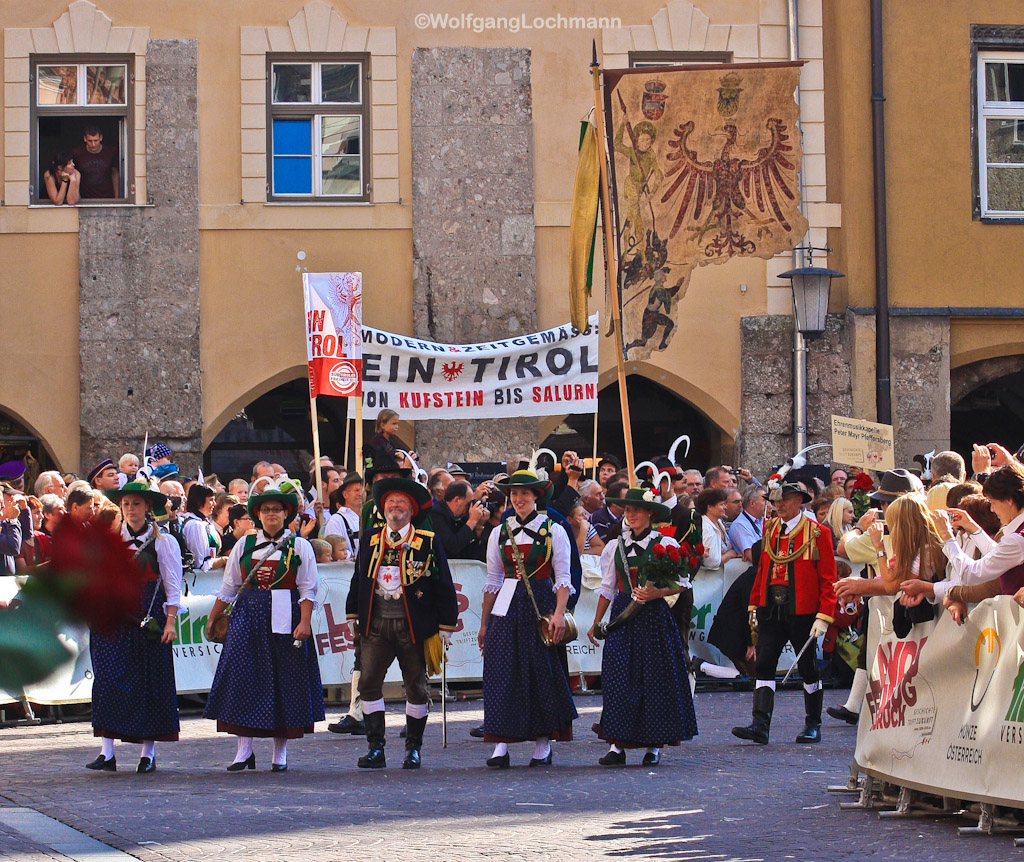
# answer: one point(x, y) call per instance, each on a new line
point(264, 686)
point(526, 692)
point(134, 697)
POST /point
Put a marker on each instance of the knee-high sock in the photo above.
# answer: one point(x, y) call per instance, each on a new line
point(860, 685)
point(500, 749)
point(107, 747)
point(244, 748)
point(280, 756)
point(541, 747)
point(148, 748)
point(717, 671)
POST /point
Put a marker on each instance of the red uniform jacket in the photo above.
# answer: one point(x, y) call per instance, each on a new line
point(811, 576)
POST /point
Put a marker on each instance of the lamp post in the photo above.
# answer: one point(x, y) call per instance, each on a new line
point(811, 286)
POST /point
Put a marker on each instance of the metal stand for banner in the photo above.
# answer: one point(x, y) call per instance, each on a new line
point(853, 782)
point(914, 803)
point(873, 796)
point(992, 823)
point(584, 689)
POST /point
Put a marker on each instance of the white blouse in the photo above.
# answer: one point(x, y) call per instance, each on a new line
point(610, 577)
point(999, 558)
point(196, 533)
point(306, 578)
point(336, 527)
point(168, 558)
point(560, 554)
point(715, 544)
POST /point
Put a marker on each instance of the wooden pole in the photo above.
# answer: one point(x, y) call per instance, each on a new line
point(355, 461)
point(318, 486)
point(359, 430)
point(593, 466)
point(611, 274)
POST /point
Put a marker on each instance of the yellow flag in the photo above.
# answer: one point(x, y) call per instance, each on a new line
point(583, 225)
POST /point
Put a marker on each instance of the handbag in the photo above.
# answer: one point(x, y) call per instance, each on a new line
point(543, 620)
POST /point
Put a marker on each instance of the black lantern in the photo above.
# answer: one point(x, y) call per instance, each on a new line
point(810, 296)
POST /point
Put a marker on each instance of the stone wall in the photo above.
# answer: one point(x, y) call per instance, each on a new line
point(766, 408)
point(139, 285)
point(473, 229)
point(919, 351)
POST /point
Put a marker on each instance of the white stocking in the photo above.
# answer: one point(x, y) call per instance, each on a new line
point(244, 749)
point(148, 748)
point(654, 751)
point(719, 672)
point(500, 749)
point(280, 751)
point(857, 689)
point(616, 749)
point(541, 748)
point(107, 747)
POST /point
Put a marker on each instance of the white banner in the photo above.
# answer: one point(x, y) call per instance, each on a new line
point(944, 711)
point(541, 374)
point(195, 658)
point(334, 315)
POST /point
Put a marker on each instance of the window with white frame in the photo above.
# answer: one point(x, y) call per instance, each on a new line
point(1001, 134)
point(317, 127)
point(80, 108)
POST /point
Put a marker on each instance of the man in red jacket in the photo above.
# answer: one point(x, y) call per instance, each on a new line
point(793, 598)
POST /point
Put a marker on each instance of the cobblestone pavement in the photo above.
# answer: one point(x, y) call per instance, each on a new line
point(712, 798)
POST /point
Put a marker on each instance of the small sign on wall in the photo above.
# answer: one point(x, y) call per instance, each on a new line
point(862, 444)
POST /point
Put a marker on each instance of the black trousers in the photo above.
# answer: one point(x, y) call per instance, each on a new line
point(776, 627)
point(387, 640)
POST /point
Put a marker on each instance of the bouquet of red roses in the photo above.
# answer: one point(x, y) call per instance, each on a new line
point(670, 563)
point(862, 486)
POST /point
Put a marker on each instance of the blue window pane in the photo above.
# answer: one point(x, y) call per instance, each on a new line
point(293, 176)
point(293, 137)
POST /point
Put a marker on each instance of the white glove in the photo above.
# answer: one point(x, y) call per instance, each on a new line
point(818, 628)
point(446, 637)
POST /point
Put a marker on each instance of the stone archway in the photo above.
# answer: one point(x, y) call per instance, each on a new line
point(987, 404)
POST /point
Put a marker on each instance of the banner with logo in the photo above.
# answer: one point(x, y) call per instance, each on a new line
point(195, 658)
point(944, 711)
point(544, 373)
point(334, 317)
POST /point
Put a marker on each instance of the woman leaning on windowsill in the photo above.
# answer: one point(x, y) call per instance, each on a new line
point(62, 180)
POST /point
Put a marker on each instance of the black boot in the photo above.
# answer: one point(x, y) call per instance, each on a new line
point(413, 741)
point(812, 723)
point(757, 730)
point(374, 757)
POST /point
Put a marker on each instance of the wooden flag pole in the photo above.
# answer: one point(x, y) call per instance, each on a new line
point(593, 466)
point(318, 487)
point(344, 455)
point(611, 274)
point(359, 431)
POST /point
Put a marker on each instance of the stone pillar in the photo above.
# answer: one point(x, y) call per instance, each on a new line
point(920, 385)
point(139, 285)
point(766, 405)
point(473, 228)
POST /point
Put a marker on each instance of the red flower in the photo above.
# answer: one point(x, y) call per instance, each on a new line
point(674, 554)
point(685, 547)
point(694, 562)
point(699, 548)
point(658, 551)
point(94, 569)
point(863, 482)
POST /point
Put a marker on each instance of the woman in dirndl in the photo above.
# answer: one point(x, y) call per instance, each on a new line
point(647, 698)
point(526, 691)
point(267, 682)
point(133, 693)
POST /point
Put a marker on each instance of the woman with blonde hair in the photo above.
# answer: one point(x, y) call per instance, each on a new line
point(937, 495)
point(839, 519)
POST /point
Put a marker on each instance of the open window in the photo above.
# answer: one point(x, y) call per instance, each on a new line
point(80, 106)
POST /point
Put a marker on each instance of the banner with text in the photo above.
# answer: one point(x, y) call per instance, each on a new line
point(540, 374)
point(944, 711)
point(334, 317)
point(863, 444)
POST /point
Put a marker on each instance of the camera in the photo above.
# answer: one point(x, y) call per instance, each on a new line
point(734, 471)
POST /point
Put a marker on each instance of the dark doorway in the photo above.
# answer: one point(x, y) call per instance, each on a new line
point(276, 428)
point(992, 413)
point(657, 417)
point(18, 443)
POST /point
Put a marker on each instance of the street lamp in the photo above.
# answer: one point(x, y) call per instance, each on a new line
point(810, 294)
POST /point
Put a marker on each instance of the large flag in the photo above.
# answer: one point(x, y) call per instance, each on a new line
point(583, 225)
point(334, 338)
point(705, 168)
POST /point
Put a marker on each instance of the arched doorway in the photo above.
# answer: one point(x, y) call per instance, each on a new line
point(657, 416)
point(275, 427)
point(18, 443)
point(990, 412)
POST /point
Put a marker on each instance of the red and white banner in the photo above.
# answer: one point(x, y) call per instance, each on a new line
point(334, 317)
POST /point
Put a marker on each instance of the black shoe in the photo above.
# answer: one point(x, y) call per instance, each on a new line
point(810, 734)
point(758, 729)
point(348, 725)
point(843, 714)
point(278, 767)
point(412, 759)
point(596, 727)
point(104, 764)
point(501, 762)
point(248, 763)
point(613, 758)
point(812, 722)
point(477, 732)
point(652, 758)
point(146, 764)
point(373, 759)
point(541, 761)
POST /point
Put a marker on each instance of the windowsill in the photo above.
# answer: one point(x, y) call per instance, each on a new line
point(314, 203)
point(82, 205)
point(1002, 219)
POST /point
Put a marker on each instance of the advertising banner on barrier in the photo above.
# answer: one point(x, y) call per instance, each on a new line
point(544, 373)
point(195, 658)
point(944, 711)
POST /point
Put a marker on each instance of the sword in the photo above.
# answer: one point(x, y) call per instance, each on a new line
point(799, 655)
point(444, 696)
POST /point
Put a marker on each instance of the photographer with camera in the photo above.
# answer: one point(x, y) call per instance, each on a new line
point(459, 521)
